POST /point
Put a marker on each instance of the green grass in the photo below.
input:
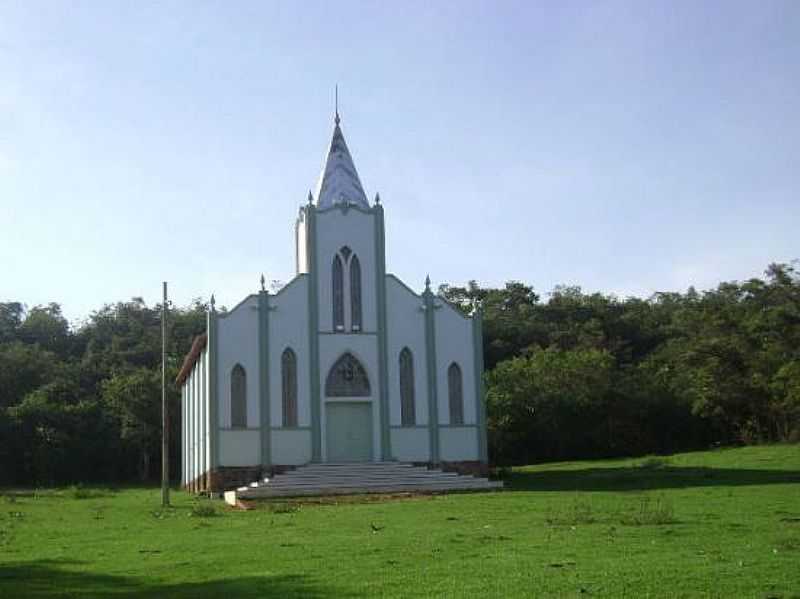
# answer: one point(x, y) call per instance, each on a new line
point(712, 524)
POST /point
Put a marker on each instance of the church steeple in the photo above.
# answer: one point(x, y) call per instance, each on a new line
point(339, 182)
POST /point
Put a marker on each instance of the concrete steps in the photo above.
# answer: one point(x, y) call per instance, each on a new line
point(358, 478)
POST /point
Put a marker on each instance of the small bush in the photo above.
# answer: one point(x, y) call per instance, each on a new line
point(579, 512)
point(284, 508)
point(654, 463)
point(788, 544)
point(80, 492)
point(203, 510)
point(653, 513)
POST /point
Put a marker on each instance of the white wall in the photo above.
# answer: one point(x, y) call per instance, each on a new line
point(288, 327)
point(356, 230)
point(405, 324)
point(411, 444)
point(364, 347)
point(291, 447)
point(204, 360)
point(458, 443)
point(195, 434)
point(239, 447)
point(301, 256)
point(454, 343)
point(184, 444)
point(237, 342)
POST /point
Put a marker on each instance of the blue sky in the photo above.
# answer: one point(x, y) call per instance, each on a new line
point(626, 147)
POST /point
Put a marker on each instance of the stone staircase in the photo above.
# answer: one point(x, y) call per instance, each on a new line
point(356, 479)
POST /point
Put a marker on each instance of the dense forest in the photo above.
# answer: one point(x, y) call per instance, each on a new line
point(574, 376)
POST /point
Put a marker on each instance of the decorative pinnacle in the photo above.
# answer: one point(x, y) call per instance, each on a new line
point(377, 198)
point(263, 282)
point(213, 302)
point(427, 282)
point(310, 197)
point(336, 118)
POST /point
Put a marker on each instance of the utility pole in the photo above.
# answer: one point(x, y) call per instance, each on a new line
point(164, 412)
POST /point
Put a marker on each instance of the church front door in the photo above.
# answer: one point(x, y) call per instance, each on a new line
point(348, 429)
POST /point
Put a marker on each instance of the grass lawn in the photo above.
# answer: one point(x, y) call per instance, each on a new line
point(722, 523)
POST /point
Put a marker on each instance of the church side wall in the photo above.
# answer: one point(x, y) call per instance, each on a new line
point(454, 343)
point(406, 328)
point(196, 410)
point(192, 426)
point(288, 328)
point(202, 366)
point(183, 436)
point(237, 343)
point(195, 433)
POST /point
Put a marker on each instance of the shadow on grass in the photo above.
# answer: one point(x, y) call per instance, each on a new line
point(643, 478)
point(46, 579)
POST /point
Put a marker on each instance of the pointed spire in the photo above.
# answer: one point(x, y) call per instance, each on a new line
point(428, 283)
point(263, 282)
point(310, 197)
point(339, 183)
point(377, 198)
point(213, 303)
point(336, 118)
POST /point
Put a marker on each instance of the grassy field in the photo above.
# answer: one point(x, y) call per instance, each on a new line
point(724, 523)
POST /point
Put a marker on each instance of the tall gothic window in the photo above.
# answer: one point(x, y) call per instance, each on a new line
point(455, 394)
point(289, 387)
point(355, 293)
point(347, 378)
point(238, 397)
point(338, 294)
point(407, 416)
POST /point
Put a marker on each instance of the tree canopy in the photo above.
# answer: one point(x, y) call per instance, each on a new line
point(574, 375)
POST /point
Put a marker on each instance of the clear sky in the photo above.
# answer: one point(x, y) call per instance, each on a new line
point(625, 147)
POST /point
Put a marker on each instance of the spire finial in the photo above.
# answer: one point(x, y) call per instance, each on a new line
point(377, 198)
point(336, 119)
point(310, 197)
point(213, 302)
point(263, 282)
point(427, 282)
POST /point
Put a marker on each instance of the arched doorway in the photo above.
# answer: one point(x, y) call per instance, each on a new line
point(348, 411)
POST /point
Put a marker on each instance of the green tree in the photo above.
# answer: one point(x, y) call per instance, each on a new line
point(134, 399)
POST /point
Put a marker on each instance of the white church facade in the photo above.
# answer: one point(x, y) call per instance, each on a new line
point(344, 364)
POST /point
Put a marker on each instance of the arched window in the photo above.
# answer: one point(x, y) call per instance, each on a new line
point(355, 293)
point(407, 415)
point(289, 389)
point(456, 394)
point(347, 378)
point(238, 397)
point(338, 294)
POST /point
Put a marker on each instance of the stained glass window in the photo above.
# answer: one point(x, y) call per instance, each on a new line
point(456, 394)
point(407, 416)
point(289, 387)
point(355, 293)
point(338, 294)
point(347, 378)
point(238, 397)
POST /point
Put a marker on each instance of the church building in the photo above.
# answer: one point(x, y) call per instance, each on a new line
point(346, 363)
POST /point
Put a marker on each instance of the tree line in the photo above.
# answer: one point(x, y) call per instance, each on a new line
point(574, 376)
point(591, 375)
